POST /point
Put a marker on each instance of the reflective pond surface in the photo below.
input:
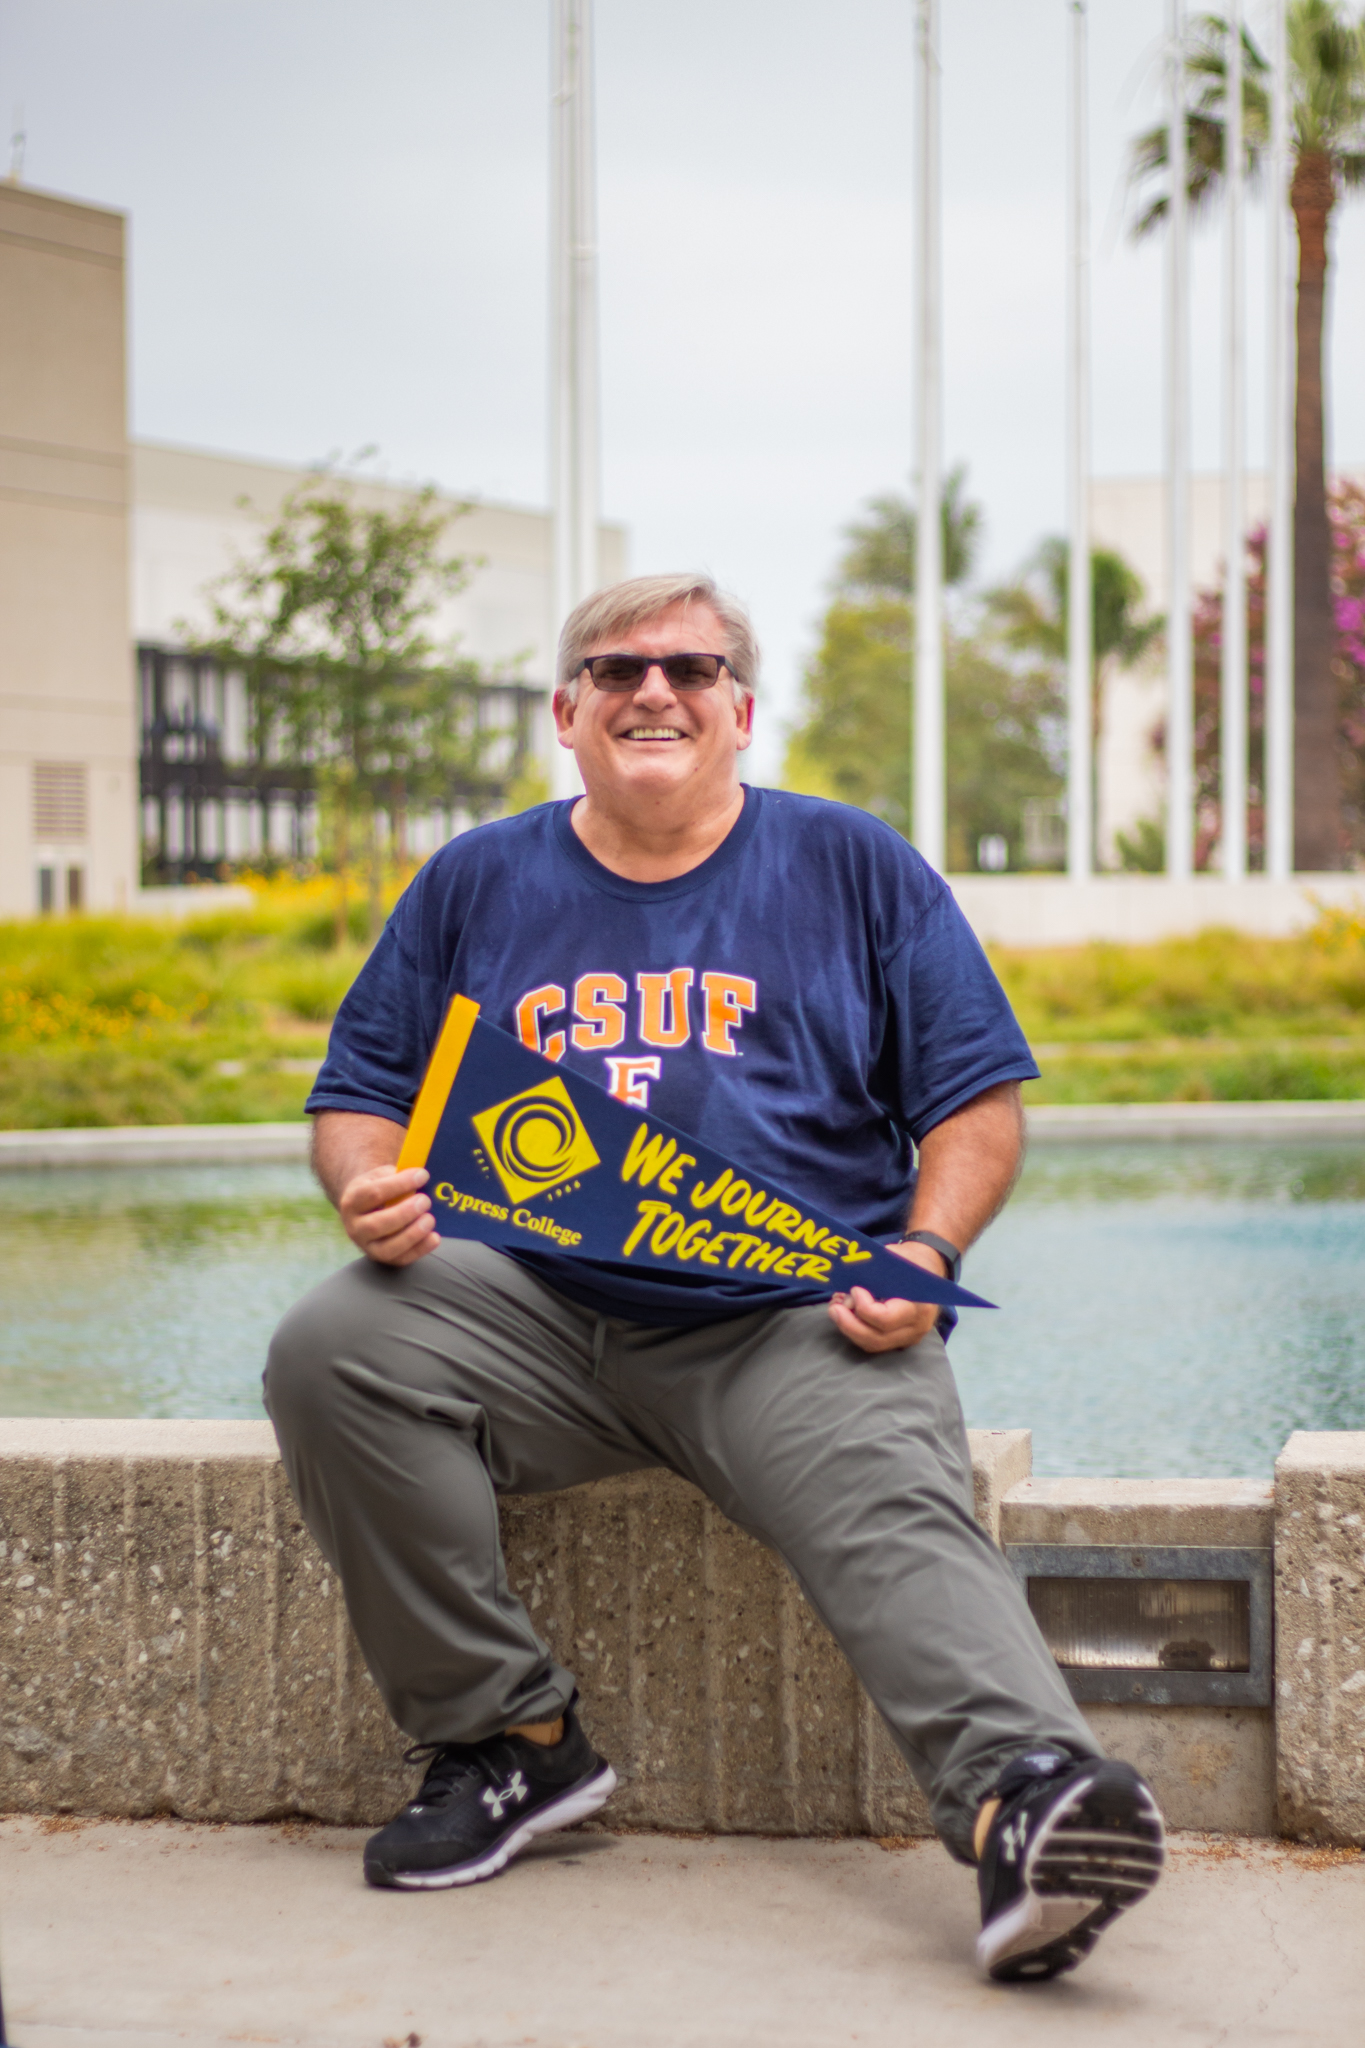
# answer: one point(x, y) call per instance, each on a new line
point(1164, 1309)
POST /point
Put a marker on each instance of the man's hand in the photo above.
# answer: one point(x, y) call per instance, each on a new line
point(387, 1217)
point(967, 1166)
point(888, 1325)
point(384, 1212)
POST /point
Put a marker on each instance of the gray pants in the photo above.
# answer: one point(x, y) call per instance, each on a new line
point(404, 1401)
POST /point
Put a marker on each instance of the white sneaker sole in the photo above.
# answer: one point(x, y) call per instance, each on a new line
point(1076, 1880)
point(579, 1804)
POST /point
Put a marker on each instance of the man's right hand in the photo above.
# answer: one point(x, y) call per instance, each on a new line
point(386, 1215)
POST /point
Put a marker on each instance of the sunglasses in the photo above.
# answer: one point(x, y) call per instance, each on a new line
point(625, 672)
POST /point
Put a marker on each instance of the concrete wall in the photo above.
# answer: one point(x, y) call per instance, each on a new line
point(1212, 1767)
point(65, 682)
point(1047, 910)
point(1320, 1623)
point(174, 1642)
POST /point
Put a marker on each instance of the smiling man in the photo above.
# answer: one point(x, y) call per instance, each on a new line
point(788, 981)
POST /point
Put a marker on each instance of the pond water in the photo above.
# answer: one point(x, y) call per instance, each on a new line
point(1164, 1309)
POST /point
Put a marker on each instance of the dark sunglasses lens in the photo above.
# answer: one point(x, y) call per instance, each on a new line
point(691, 671)
point(617, 671)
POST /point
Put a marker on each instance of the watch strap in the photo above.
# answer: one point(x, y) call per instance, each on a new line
point(947, 1252)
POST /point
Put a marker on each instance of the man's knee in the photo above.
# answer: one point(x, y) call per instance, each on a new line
point(301, 1373)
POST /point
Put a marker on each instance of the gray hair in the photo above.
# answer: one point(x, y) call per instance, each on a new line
point(633, 603)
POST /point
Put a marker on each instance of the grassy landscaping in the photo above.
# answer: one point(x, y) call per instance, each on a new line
point(221, 1018)
point(1215, 1018)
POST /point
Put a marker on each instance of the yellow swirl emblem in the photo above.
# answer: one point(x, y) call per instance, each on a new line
point(535, 1141)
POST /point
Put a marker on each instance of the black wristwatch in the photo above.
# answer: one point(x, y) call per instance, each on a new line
point(949, 1253)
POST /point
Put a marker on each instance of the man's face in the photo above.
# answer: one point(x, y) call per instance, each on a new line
point(658, 742)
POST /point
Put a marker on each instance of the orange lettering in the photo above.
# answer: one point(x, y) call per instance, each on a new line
point(596, 1000)
point(663, 1007)
point(727, 996)
point(533, 1005)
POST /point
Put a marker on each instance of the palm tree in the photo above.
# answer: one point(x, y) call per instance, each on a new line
point(1030, 617)
point(1327, 116)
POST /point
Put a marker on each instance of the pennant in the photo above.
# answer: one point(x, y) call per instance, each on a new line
point(529, 1158)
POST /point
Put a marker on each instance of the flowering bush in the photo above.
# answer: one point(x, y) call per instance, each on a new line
point(1346, 509)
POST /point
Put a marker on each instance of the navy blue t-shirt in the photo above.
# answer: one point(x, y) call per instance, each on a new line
point(810, 1001)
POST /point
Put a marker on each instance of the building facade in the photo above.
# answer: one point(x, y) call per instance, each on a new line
point(68, 746)
point(207, 797)
point(111, 737)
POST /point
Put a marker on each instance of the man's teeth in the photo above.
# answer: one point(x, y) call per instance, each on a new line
point(653, 732)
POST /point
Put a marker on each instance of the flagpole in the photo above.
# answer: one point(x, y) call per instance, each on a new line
point(1233, 724)
point(1179, 638)
point(1080, 824)
point(1279, 619)
point(928, 782)
point(573, 294)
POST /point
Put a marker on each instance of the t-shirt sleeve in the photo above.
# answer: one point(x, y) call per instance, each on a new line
point(384, 1031)
point(950, 1030)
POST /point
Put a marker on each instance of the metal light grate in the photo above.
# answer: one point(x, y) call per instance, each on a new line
point(59, 802)
point(1145, 1624)
point(1169, 1625)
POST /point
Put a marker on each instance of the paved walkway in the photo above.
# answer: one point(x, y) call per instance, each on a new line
point(159, 1932)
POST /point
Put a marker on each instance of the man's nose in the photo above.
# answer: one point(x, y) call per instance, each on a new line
point(654, 685)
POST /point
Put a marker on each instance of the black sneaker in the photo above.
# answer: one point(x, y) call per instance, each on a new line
point(482, 1802)
point(1073, 1843)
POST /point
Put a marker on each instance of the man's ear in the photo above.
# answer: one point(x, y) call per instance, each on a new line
point(563, 706)
point(744, 724)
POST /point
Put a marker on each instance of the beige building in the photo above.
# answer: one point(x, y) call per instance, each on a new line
point(68, 748)
point(105, 551)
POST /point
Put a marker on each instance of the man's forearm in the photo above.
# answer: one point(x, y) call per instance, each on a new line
point(968, 1165)
point(346, 1144)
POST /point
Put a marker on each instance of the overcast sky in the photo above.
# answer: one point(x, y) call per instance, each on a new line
point(338, 237)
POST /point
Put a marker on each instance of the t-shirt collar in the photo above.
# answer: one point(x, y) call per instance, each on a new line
point(731, 846)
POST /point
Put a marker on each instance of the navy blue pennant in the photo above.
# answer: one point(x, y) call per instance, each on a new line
point(528, 1157)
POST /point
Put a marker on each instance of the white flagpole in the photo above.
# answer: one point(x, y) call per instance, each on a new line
point(1279, 619)
point(574, 379)
point(1179, 641)
point(1080, 824)
point(928, 789)
point(1233, 724)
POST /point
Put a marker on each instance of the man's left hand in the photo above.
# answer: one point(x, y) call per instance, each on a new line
point(888, 1325)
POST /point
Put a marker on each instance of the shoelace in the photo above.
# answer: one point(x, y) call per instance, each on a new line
point(449, 1763)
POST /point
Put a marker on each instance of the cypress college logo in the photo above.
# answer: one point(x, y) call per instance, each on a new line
point(535, 1141)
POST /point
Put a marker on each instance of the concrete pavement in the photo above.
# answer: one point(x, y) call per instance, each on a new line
point(166, 1932)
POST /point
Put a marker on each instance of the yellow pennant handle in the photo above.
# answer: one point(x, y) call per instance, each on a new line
point(440, 1079)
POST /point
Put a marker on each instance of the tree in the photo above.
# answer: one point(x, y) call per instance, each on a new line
point(1346, 515)
point(853, 740)
point(1030, 616)
point(1327, 94)
point(881, 557)
point(326, 621)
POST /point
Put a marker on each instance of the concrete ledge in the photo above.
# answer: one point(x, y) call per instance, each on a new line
point(1320, 1623)
point(174, 1643)
point(1127, 1122)
point(156, 1145)
point(1084, 1123)
point(1225, 1512)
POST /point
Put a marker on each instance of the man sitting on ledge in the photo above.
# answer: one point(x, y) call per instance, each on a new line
point(832, 1012)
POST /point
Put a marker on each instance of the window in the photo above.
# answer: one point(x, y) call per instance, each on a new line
point(47, 890)
point(59, 802)
point(75, 888)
